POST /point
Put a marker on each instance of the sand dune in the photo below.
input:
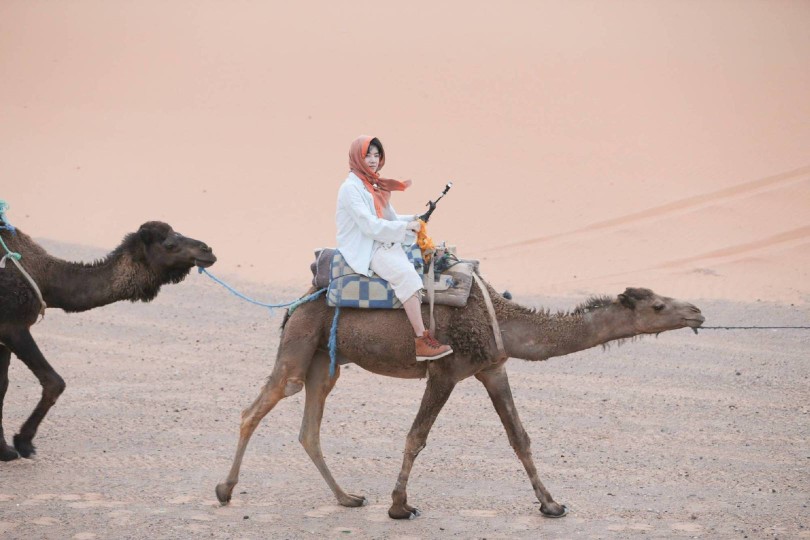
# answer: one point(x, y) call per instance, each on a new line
point(681, 206)
point(586, 140)
point(747, 241)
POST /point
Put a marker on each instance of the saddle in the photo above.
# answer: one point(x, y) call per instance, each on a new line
point(452, 280)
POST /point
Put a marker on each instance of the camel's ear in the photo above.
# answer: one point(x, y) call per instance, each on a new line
point(627, 301)
point(146, 235)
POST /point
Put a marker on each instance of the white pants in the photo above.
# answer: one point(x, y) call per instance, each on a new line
point(390, 262)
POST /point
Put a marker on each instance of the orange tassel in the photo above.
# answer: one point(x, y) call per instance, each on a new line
point(425, 242)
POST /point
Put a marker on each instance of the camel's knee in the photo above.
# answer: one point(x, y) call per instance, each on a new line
point(248, 424)
point(311, 446)
point(256, 411)
point(268, 399)
point(251, 418)
point(52, 388)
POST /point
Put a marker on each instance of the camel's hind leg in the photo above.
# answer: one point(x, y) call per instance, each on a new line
point(319, 384)
point(497, 385)
point(437, 392)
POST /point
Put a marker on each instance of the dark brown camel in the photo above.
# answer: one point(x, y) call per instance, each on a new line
point(135, 270)
point(380, 341)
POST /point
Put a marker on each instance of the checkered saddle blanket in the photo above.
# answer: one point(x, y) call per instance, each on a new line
point(346, 288)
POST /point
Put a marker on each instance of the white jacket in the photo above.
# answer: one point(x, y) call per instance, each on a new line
point(358, 226)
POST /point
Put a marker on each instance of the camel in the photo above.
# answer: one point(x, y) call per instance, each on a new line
point(381, 342)
point(147, 259)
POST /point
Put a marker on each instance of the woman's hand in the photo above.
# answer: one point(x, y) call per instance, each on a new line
point(414, 226)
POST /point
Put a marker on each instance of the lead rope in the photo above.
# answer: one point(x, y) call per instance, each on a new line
point(291, 306)
point(15, 258)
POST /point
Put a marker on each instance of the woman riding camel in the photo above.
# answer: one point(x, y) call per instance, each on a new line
point(370, 235)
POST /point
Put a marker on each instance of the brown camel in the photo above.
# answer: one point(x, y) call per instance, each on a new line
point(135, 270)
point(380, 341)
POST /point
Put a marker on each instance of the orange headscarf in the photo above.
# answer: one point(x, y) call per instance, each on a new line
point(380, 188)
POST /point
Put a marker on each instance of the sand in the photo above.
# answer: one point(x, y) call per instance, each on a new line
point(682, 436)
point(593, 146)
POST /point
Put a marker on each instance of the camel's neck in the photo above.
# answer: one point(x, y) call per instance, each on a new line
point(79, 287)
point(538, 336)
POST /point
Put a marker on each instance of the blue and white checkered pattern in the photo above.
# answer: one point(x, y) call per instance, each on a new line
point(349, 289)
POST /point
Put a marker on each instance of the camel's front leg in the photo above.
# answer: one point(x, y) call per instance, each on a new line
point(25, 348)
point(7, 453)
point(318, 385)
point(436, 393)
point(497, 385)
point(270, 395)
point(287, 379)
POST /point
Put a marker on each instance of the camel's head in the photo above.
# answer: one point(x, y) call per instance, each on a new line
point(654, 313)
point(170, 254)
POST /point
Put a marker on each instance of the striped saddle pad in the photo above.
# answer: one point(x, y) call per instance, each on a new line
point(346, 288)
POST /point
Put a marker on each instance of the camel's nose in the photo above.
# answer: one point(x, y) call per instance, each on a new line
point(698, 316)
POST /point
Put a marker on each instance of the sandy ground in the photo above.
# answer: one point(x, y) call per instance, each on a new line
point(593, 146)
point(682, 436)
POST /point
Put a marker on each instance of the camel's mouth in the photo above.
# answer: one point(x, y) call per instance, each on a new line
point(695, 322)
point(205, 261)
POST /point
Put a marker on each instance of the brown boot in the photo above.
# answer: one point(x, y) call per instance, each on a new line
point(427, 348)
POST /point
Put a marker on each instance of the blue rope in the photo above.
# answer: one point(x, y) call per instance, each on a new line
point(5, 225)
point(289, 305)
point(333, 343)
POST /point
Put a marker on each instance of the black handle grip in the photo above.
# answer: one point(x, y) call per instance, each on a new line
point(432, 204)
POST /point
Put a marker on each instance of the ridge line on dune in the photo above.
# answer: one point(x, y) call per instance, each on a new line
point(655, 211)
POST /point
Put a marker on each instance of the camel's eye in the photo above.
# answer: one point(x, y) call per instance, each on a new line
point(169, 245)
point(658, 307)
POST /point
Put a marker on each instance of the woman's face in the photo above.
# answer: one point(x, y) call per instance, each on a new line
point(373, 158)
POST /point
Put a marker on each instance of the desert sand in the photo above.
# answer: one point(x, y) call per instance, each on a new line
point(592, 146)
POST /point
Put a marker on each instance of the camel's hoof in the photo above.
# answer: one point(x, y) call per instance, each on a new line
point(405, 512)
point(352, 501)
point(24, 447)
point(8, 454)
point(223, 494)
point(554, 511)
